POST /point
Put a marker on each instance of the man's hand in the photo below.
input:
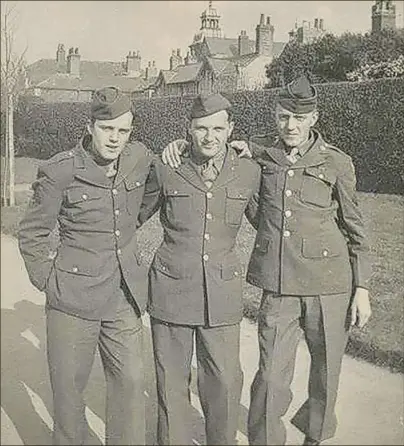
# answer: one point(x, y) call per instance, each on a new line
point(172, 153)
point(360, 308)
point(242, 149)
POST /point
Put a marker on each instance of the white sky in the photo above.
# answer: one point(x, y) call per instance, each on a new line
point(107, 30)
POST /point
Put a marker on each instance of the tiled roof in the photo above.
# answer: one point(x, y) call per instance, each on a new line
point(44, 68)
point(278, 48)
point(61, 81)
point(225, 46)
point(183, 73)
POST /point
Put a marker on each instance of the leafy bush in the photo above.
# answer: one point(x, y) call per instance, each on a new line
point(364, 119)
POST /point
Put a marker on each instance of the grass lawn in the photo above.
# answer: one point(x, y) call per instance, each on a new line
point(381, 341)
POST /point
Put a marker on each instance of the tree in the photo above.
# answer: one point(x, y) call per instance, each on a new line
point(331, 58)
point(12, 83)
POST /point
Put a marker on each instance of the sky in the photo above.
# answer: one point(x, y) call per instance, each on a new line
point(108, 30)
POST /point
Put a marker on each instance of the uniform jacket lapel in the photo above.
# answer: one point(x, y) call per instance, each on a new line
point(229, 168)
point(87, 170)
point(127, 163)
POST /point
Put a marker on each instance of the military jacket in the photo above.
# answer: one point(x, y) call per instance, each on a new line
point(310, 233)
point(196, 275)
point(96, 217)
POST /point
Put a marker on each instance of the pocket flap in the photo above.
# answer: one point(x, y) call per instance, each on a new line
point(177, 193)
point(262, 244)
point(78, 195)
point(327, 175)
point(76, 268)
point(320, 249)
point(134, 183)
point(168, 268)
point(236, 193)
point(231, 271)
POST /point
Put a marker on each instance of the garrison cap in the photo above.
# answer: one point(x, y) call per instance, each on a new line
point(208, 104)
point(109, 103)
point(298, 96)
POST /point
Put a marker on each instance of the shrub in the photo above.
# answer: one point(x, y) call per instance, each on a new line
point(364, 119)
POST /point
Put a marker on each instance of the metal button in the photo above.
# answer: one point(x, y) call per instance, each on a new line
point(163, 268)
point(137, 183)
point(70, 153)
point(209, 216)
point(119, 251)
point(117, 232)
point(288, 192)
point(209, 194)
point(286, 233)
point(114, 191)
point(117, 212)
point(290, 173)
point(206, 236)
point(264, 167)
point(84, 196)
point(205, 257)
point(75, 269)
point(232, 168)
point(175, 192)
point(288, 213)
point(325, 253)
point(321, 175)
point(236, 273)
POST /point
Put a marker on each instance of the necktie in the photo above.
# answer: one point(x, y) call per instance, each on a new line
point(209, 171)
point(293, 155)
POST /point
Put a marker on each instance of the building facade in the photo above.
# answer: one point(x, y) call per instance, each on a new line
point(383, 15)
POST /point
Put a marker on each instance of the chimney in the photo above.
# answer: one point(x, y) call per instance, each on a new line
point(264, 37)
point(151, 70)
point(175, 59)
point(61, 58)
point(73, 62)
point(321, 26)
point(133, 61)
point(243, 43)
point(316, 23)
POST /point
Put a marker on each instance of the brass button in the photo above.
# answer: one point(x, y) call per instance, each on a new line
point(84, 197)
point(206, 236)
point(209, 216)
point(209, 194)
point(286, 233)
point(321, 175)
point(288, 192)
point(236, 273)
point(325, 253)
point(116, 212)
point(137, 183)
point(288, 213)
point(291, 173)
point(117, 232)
point(114, 191)
point(205, 257)
point(119, 251)
point(75, 269)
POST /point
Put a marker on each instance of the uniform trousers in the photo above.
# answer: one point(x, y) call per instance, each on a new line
point(71, 347)
point(220, 380)
point(323, 320)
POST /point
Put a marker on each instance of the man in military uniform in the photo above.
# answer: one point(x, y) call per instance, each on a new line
point(310, 259)
point(195, 278)
point(93, 283)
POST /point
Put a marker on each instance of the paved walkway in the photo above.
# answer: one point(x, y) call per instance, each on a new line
point(370, 407)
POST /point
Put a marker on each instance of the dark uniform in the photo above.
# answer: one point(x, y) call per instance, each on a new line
point(310, 253)
point(95, 285)
point(196, 289)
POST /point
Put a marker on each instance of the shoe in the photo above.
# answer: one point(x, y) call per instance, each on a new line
point(310, 441)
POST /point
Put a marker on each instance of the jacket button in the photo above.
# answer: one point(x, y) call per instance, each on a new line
point(70, 153)
point(291, 173)
point(117, 232)
point(325, 253)
point(286, 233)
point(114, 191)
point(209, 216)
point(236, 273)
point(288, 213)
point(205, 257)
point(206, 236)
point(321, 175)
point(119, 251)
point(75, 269)
point(116, 212)
point(84, 197)
point(209, 194)
point(137, 183)
point(288, 192)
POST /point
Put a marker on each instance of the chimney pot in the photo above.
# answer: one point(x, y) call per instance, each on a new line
point(268, 20)
point(76, 51)
point(262, 19)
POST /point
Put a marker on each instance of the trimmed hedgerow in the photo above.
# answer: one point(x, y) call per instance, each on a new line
point(365, 119)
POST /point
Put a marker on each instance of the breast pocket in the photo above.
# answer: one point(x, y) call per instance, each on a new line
point(178, 206)
point(317, 186)
point(134, 194)
point(83, 204)
point(236, 202)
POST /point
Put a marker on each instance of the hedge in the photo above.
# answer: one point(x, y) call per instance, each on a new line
point(365, 119)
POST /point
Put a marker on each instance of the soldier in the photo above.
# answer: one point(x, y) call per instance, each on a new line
point(310, 259)
point(93, 283)
point(195, 278)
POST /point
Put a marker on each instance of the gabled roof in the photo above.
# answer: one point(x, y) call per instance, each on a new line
point(278, 48)
point(61, 81)
point(44, 68)
point(181, 74)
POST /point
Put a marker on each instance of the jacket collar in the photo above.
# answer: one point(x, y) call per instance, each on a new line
point(314, 156)
point(88, 170)
point(188, 171)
